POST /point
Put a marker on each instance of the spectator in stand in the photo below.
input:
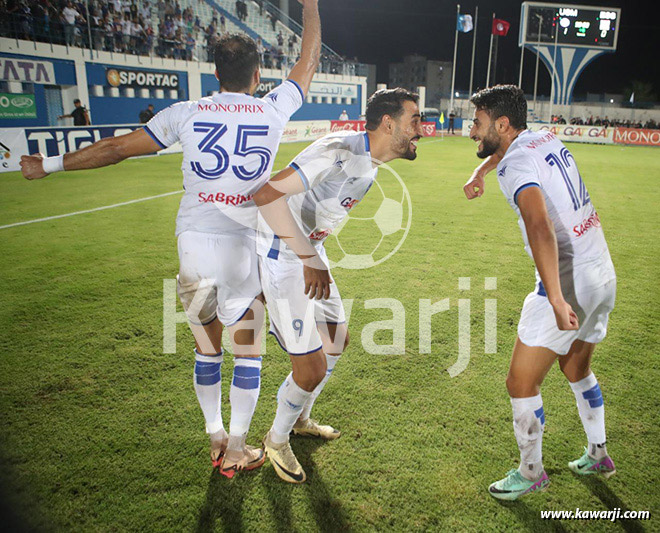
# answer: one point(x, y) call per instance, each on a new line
point(127, 32)
point(260, 50)
point(273, 19)
point(292, 45)
point(96, 24)
point(344, 115)
point(70, 15)
point(260, 3)
point(79, 115)
point(147, 114)
point(223, 24)
point(280, 39)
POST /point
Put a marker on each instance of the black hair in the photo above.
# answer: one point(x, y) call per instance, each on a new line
point(387, 102)
point(236, 59)
point(503, 101)
point(76, 101)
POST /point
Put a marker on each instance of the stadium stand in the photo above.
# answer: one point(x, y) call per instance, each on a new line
point(176, 29)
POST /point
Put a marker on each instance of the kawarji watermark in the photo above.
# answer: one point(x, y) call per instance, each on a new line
point(395, 324)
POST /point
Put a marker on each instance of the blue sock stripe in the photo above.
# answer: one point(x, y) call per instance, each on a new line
point(204, 369)
point(540, 414)
point(247, 371)
point(207, 379)
point(598, 402)
point(246, 383)
point(593, 393)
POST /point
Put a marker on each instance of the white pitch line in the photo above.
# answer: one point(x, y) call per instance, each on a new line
point(90, 210)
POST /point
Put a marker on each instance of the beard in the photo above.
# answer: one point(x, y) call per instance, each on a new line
point(490, 145)
point(406, 150)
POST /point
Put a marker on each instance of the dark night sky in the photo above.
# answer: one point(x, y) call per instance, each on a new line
point(383, 31)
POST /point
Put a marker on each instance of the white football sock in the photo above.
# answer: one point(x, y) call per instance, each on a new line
point(207, 382)
point(331, 361)
point(528, 425)
point(592, 413)
point(290, 401)
point(244, 394)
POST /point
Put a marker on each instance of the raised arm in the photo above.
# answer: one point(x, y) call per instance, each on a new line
point(310, 53)
point(543, 242)
point(108, 151)
point(271, 200)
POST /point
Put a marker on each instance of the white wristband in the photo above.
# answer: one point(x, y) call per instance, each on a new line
point(53, 164)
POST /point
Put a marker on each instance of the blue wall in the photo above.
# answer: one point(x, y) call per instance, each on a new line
point(65, 74)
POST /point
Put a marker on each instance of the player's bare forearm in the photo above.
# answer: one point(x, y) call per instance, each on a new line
point(542, 240)
point(475, 186)
point(310, 53)
point(277, 214)
point(103, 153)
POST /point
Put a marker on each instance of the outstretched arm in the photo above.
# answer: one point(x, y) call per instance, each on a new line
point(109, 151)
point(543, 242)
point(304, 69)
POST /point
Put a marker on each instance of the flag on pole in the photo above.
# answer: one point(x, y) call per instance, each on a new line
point(632, 98)
point(442, 118)
point(464, 23)
point(500, 27)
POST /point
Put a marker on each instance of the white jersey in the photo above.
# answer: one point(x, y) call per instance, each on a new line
point(337, 172)
point(229, 144)
point(539, 159)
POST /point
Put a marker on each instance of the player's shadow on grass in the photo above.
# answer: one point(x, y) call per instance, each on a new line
point(531, 517)
point(599, 488)
point(327, 511)
point(224, 499)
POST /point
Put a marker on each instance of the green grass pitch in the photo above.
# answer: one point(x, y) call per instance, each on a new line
point(101, 430)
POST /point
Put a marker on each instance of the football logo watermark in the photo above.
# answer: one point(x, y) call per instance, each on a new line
point(358, 208)
point(384, 217)
point(299, 329)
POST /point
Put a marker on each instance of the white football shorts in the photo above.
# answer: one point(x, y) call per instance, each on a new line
point(538, 326)
point(218, 276)
point(293, 316)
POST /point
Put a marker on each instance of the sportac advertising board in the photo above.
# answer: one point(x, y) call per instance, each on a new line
point(142, 79)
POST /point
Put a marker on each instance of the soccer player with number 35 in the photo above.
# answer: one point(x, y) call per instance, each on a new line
point(229, 144)
point(566, 315)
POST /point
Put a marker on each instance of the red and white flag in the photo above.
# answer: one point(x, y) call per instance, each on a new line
point(500, 27)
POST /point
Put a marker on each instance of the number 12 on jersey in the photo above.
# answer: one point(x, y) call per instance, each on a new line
point(563, 163)
point(210, 144)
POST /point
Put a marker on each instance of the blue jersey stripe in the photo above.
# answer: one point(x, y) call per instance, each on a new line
point(302, 94)
point(522, 188)
point(153, 136)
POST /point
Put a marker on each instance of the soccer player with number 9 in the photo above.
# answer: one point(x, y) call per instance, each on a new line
point(229, 143)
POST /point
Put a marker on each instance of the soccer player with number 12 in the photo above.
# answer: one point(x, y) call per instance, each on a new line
point(567, 313)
